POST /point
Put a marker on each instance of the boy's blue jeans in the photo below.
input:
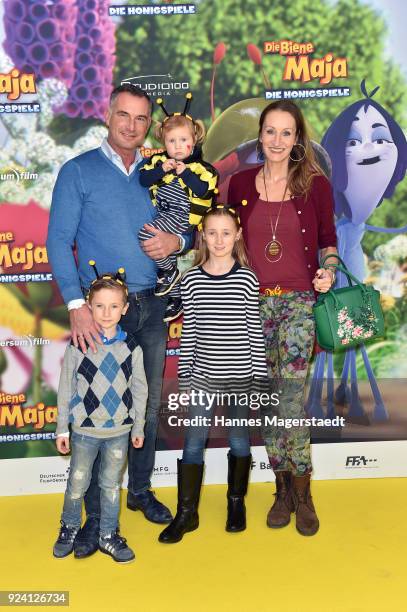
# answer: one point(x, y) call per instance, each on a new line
point(113, 455)
point(144, 319)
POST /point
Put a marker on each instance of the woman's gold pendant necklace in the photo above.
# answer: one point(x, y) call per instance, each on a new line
point(274, 249)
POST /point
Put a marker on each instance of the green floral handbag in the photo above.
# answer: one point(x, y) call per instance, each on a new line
point(349, 316)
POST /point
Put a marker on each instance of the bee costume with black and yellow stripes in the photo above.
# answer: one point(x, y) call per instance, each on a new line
point(181, 199)
point(175, 196)
point(199, 173)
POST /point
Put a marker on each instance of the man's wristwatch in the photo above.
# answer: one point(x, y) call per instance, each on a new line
point(181, 245)
point(75, 304)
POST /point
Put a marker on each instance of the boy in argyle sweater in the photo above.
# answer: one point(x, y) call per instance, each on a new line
point(103, 396)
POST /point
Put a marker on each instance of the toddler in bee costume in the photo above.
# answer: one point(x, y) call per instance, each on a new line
point(182, 187)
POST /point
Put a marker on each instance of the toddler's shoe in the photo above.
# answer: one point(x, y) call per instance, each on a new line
point(166, 281)
point(64, 545)
point(174, 309)
point(114, 544)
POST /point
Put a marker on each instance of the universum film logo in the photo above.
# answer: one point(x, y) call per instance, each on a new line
point(27, 341)
point(12, 174)
point(158, 85)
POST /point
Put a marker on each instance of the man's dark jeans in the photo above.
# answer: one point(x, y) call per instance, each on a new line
point(144, 319)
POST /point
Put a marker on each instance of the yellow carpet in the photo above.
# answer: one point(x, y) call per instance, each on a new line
point(355, 563)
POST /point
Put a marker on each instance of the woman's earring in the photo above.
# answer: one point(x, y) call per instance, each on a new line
point(298, 144)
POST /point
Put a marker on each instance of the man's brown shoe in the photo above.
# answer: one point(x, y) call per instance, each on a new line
point(280, 511)
point(307, 522)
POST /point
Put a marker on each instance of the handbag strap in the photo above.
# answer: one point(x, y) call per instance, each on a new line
point(343, 268)
point(350, 277)
point(329, 257)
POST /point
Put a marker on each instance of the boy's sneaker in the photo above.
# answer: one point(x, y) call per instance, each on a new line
point(165, 282)
point(114, 545)
point(64, 545)
point(174, 309)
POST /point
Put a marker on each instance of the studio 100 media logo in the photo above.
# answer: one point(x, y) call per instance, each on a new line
point(158, 85)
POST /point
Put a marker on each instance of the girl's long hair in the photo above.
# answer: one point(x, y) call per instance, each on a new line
point(239, 250)
point(300, 173)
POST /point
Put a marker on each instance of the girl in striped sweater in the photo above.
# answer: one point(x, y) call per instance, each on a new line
point(222, 348)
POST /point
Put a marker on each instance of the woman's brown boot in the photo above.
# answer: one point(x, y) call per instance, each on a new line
point(307, 522)
point(280, 511)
